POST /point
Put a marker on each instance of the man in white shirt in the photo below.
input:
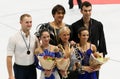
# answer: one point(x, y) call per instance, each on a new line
point(22, 46)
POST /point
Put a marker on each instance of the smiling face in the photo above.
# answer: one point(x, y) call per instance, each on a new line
point(45, 37)
point(83, 35)
point(58, 13)
point(64, 34)
point(58, 16)
point(65, 37)
point(26, 22)
point(86, 11)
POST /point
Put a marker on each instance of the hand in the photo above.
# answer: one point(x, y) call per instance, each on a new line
point(88, 69)
point(74, 67)
point(96, 68)
point(48, 73)
point(56, 49)
point(63, 73)
point(72, 43)
point(98, 55)
point(38, 50)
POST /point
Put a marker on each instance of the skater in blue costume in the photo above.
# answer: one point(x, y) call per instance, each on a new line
point(46, 54)
point(83, 51)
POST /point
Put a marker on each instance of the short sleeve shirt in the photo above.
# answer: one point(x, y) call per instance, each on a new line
point(17, 47)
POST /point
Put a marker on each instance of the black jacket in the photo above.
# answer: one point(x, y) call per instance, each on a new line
point(96, 33)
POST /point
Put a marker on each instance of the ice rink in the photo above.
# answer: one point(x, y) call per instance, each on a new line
point(108, 14)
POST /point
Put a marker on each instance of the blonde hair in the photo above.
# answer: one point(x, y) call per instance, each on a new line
point(64, 29)
point(24, 15)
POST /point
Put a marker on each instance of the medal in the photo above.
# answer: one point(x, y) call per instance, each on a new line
point(28, 52)
point(27, 46)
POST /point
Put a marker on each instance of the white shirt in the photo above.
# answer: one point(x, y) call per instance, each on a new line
point(16, 46)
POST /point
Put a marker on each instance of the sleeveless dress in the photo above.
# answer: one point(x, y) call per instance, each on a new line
point(85, 62)
point(83, 58)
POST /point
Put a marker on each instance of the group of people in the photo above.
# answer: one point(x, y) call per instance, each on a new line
point(65, 49)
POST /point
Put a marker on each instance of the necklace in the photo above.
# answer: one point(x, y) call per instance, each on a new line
point(83, 48)
point(27, 46)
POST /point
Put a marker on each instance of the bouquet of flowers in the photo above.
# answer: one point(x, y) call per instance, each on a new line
point(47, 62)
point(62, 63)
point(97, 61)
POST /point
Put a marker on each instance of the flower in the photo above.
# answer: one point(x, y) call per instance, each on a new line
point(48, 58)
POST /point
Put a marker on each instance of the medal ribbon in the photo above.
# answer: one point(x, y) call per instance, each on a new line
point(27, 46)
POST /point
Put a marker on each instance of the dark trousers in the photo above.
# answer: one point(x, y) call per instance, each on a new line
point(25, 72)
point(73, 75)
point(71, 3)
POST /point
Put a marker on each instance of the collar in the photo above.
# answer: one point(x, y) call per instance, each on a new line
point(23, 33)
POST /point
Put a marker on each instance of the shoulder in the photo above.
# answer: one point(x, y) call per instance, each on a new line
point(14, 36)
point(93, 47)
point(38, 51)
point(77, 22)
point(54, 48)
point(96, 21)
point(13, 40)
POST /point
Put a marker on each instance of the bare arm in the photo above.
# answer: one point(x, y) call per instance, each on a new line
point(38, 48)
point(9, 67)
point(94, 49)
point(95, 53)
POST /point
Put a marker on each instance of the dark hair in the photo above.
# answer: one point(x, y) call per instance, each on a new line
point(57, 8)
point(43, 30)
point(86, 4)
point(81, 29)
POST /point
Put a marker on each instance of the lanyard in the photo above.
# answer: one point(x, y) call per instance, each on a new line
point(27, 46)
